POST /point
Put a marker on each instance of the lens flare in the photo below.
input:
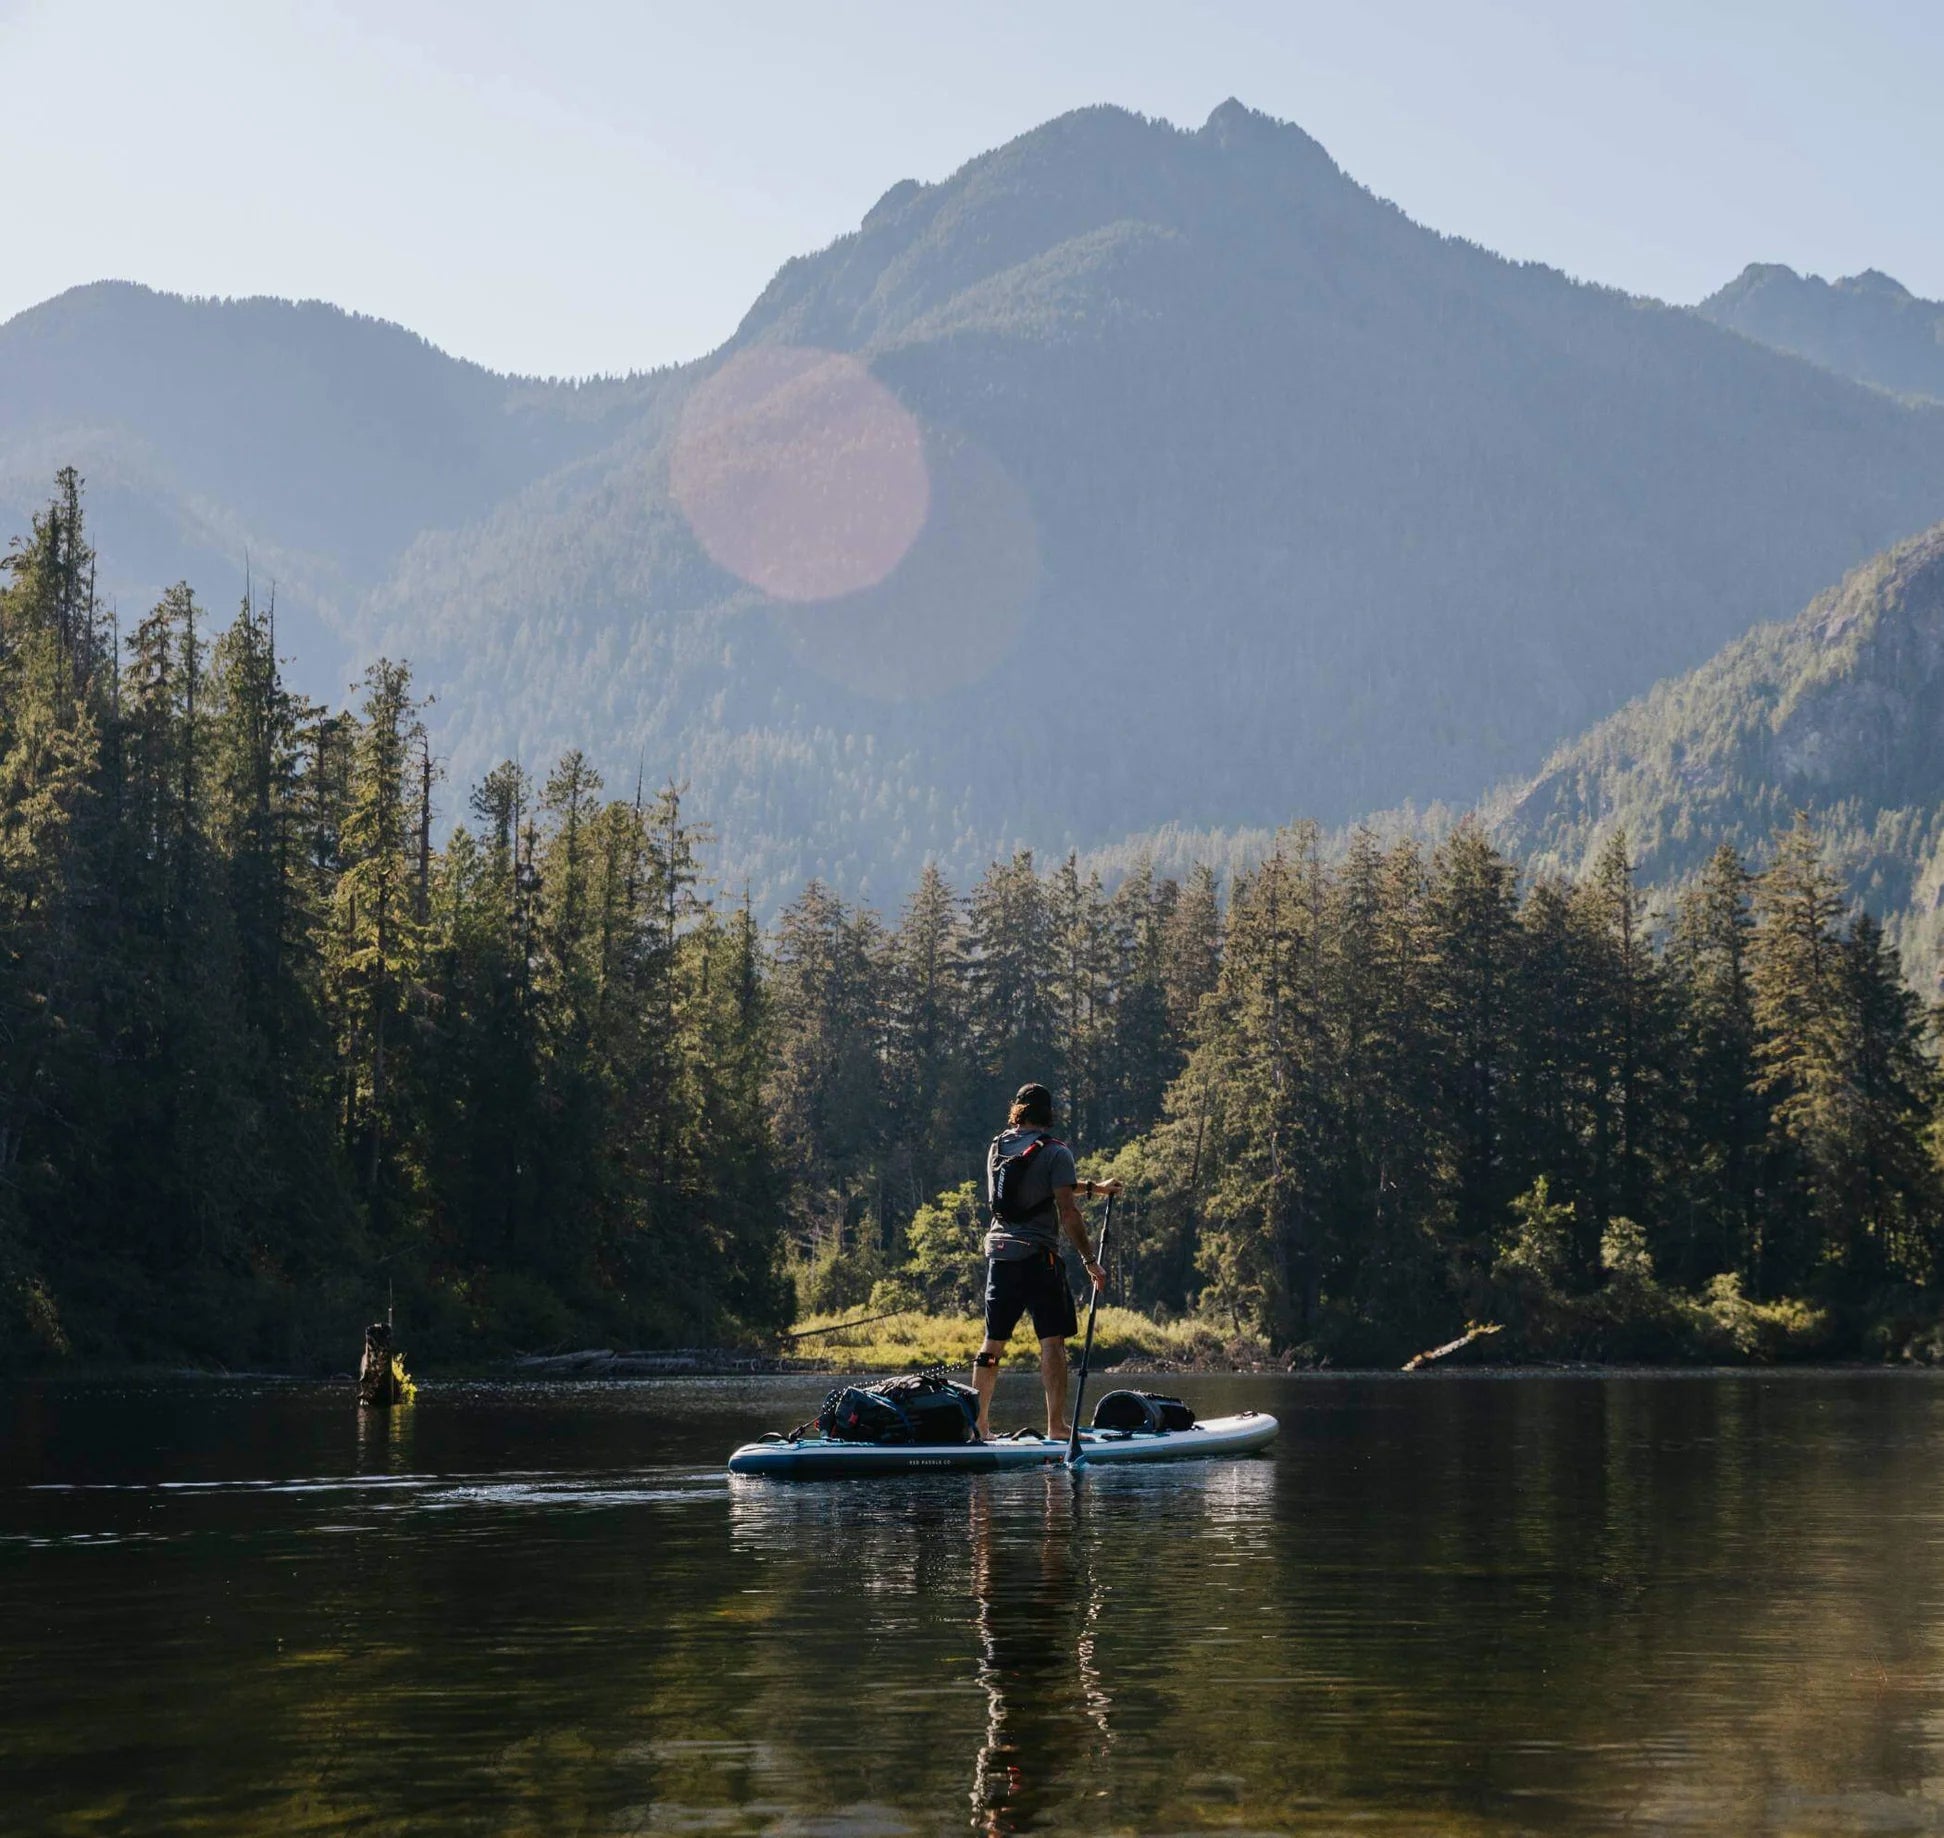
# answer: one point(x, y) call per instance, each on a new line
point(955, 606)
point(800, 473)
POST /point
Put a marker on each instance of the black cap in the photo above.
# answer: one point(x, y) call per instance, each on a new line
point(1035, 1103)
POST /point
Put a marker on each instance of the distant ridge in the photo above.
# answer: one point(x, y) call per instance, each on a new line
point(321, 442)
point(1838, 713)
point(1866, 326)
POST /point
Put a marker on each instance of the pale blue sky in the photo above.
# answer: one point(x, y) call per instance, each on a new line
point(584, 186)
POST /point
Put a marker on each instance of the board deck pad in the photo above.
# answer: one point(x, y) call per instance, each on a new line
point(817, 1457)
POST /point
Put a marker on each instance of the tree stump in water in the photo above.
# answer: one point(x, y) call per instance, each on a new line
point(379, 1385)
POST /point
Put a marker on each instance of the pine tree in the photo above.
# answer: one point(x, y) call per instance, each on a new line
point(377, 946)
point(1144, 1054)
point(827, 1102)
point(1384, 1185)
point(1469, 916)
point(52, 717)
point(1623, 1014)
point(1080, 986)
point(184, 1076)
point(486, 1166)
point(1556, 1115)
point(1797, 977)
point(1012, 1018)
point(1265, 1047)
point(1192, 949)
point(671, 885)
point(1888, 1192)
point(734, 1160)
point(1719, 1122)
point(569, 802)
point(927, 1072)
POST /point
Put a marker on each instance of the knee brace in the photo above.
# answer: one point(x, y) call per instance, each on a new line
point(983, 1358)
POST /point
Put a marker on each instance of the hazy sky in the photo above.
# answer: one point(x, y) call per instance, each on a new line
point(585, 185)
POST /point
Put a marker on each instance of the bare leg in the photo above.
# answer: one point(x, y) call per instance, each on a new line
point(1053, 1374)
point(984, 1377)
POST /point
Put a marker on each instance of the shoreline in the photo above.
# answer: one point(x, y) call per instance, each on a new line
point(636, 1368)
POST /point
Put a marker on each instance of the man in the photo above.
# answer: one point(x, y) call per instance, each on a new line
point(1023, 1269)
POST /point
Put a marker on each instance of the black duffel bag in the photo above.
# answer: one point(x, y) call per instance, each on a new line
point(1141, 1410)
point(939, 1409)
point(853, 1414)
point(922, 1407)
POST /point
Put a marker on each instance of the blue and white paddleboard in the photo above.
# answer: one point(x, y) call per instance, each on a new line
point(818, 1457)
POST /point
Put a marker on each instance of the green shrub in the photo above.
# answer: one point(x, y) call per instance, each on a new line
point(944, 1272)
point(1763, 1331)
point(837, 1278)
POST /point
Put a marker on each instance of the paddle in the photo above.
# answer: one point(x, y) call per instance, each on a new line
point(1074, 1457)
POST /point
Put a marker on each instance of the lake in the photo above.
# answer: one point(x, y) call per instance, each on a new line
point(1458, 1604)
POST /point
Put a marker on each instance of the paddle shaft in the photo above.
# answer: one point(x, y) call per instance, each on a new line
point(1086, 1352)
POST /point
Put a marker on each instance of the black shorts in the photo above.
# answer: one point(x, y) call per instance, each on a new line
point(1015, 1285)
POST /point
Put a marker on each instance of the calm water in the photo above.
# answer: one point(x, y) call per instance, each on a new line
point(1454, 1605)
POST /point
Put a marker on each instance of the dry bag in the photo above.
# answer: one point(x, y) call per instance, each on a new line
point(1141, 1410)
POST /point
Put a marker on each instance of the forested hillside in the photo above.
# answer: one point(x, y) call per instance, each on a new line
point(1145, 477)
point(270, 1049)
point(1838, 713)
point(1866, 326)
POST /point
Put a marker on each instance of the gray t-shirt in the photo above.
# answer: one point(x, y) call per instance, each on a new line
point(1052, 1167)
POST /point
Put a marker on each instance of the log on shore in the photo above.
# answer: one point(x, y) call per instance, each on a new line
point(1470, 1337)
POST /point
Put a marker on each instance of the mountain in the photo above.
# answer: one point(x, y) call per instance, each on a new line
point(1249, 496)
point(1838, 713)
point(314, 442)
point(1129, 476)
point(1865, 326)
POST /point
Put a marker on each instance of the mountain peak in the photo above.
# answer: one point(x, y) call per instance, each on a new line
point(1232, 115)
point(1875, 282)
point(1234, 127)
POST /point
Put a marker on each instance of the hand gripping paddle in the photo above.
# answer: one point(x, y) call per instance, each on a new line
point(1074, 1456)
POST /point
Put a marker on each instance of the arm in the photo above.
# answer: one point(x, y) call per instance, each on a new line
point(1075, 1226)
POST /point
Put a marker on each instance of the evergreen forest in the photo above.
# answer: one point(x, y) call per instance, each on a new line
point(289, 1026)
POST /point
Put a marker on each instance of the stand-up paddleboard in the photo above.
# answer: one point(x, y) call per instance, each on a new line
point(820, 1457)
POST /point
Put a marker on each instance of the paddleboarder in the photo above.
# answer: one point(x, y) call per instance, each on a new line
point(1033, 1189)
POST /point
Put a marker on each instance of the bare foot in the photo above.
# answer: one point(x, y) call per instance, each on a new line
point(1059, 1433)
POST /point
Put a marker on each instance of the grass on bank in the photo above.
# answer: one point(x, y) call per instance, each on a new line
point(912, 1339)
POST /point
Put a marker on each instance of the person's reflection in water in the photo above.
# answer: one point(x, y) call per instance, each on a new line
point(1046, 1710)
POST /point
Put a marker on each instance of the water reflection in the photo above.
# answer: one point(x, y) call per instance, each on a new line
point(1037, 1607)
point(385, 1439)
point(1693, 1605)
point(1029, 1591)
